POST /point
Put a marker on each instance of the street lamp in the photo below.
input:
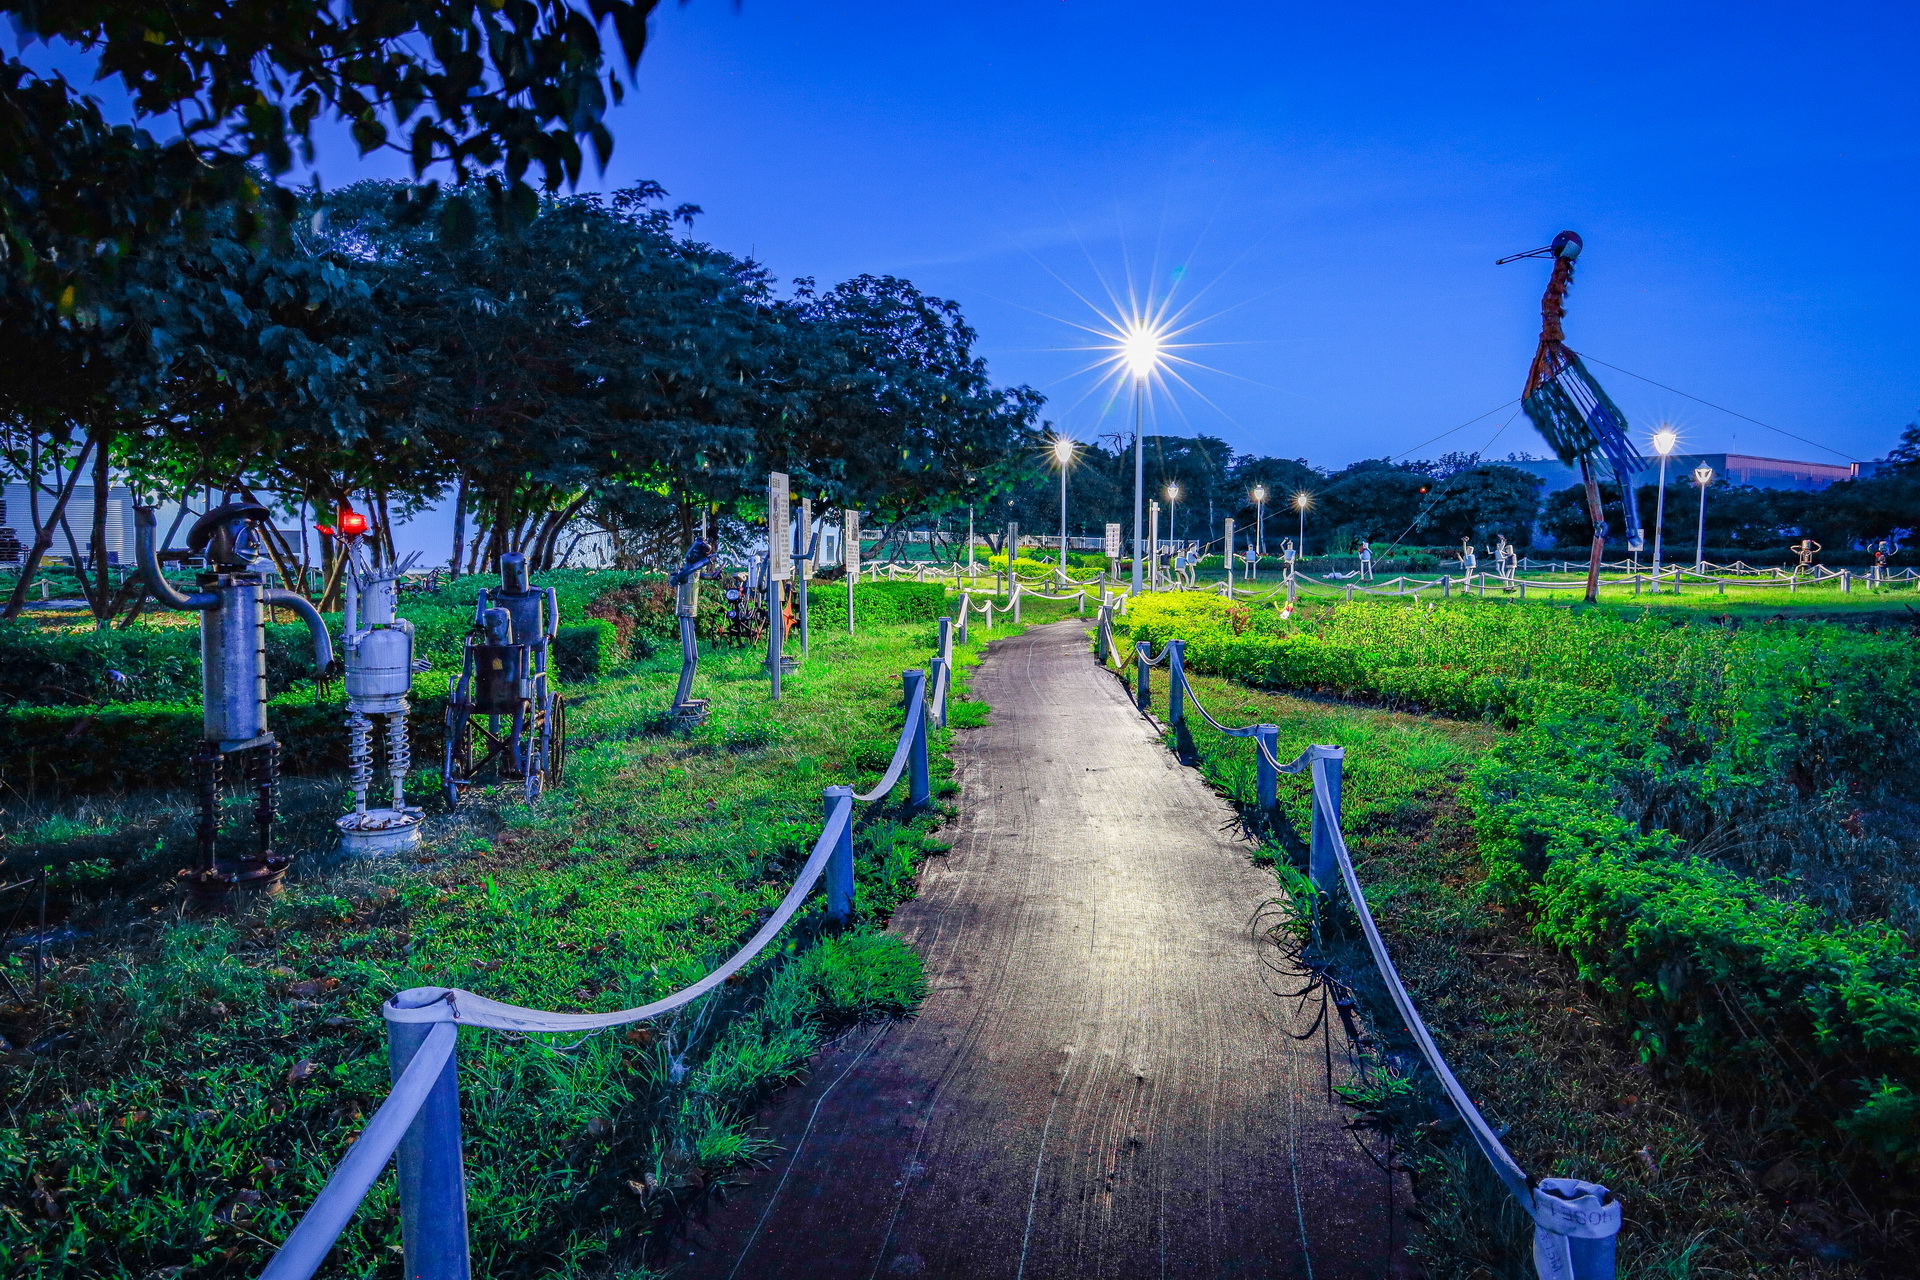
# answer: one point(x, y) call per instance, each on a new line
point(1140, 348)
point(1663, 441)
point(1173, 514)
point(1063, 455)
point(1302, 501)
point(1702, 476)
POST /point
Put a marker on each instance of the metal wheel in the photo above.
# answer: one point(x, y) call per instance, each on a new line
point(457, 768)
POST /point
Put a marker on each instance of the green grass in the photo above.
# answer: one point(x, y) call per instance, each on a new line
point(1708, 1190)
point(186, 1085)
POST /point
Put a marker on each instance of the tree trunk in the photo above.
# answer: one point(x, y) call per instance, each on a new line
point(1597, 514)
point(43, 537)
point(459, 528)
point(102, 594)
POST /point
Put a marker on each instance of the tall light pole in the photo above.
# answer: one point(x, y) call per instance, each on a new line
point(1259, 522)
point(1663, 441)
point(1173, 514)
point(1702, 476)
point(1063, 457)
point(1140, 348)
point(1302, 501)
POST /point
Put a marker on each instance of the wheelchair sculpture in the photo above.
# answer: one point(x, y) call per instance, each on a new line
point(502, 714)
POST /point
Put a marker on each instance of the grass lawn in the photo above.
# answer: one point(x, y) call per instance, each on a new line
point(185, 1085)
point(1702, 1199)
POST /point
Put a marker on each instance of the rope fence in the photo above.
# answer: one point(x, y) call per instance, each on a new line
point(418, 1125)
point(1576, 1223)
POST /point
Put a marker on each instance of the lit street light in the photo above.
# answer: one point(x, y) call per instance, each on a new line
point(1259, 496)
point(1303, 500)
point(1702, 476)
point(1063, 456)
point(1140, 348)
point(1663, 441)
point(1173, 514)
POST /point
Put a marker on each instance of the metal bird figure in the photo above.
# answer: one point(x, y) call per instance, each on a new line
point(1572, 412)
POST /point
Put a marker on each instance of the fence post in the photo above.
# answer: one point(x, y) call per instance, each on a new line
point(1266, 778)
point(840, 861)
point(1446, 587)
point(1176, 682)
point(1322, 867)
point(1142, 681)
point(1576, 1226)
point(1846, 582)
point(1016, 602)
point(966, 609)
point(919, 786)
point(433, 1186)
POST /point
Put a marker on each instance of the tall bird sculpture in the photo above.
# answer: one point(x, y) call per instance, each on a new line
point(1571, 411)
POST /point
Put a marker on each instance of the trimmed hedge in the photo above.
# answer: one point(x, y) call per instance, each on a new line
point(1634, 736)
point(877, 602)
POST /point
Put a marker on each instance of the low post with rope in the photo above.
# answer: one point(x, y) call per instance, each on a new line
point(1177, 684)
point(1266, 773)
point(432, 1179)
point(839, 873)
point(1142, 680)
point(919, 779)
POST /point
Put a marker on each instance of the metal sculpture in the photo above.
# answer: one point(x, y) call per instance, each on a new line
point(377, 650)
point(232, 601)
point(503, 701)
point(1573, 413)
point(688, 709)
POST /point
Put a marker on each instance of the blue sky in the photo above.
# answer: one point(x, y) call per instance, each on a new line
point(1335, 182)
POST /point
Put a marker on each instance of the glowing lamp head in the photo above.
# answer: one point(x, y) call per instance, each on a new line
point(1703, 475)
point(1303, 500)
point(1664, 439)
point(352, 524)
point(1259, 493)
point(1140, 347)
point(1173, 493)
point(1062, 450)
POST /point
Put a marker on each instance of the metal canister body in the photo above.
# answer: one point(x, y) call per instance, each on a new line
point(525, 608)
point(233, 656)
point(501, 679)
point(380, 668)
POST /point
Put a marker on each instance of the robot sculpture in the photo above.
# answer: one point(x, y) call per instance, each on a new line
point(503, 682)
point(378, 650)
point(688, 709)
point(232, 603)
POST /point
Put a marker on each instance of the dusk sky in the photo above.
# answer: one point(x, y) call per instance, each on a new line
point(1327, 188)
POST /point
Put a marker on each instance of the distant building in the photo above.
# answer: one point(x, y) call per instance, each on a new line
point(1728, 468)
point(16, 523)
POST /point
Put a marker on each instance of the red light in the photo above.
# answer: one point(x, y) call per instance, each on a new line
point(326, 529)
point(352, 523)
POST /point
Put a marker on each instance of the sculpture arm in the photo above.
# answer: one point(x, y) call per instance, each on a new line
point(322, 642)
point(157, 584)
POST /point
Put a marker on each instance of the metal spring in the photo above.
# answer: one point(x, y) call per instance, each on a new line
point(399, 756)
point(359, 758)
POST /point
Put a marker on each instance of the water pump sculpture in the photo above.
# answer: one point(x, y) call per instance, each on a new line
point(503, 682)
point(232, 602)
point(377, 647)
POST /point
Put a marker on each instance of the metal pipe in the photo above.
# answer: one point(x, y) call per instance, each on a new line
point(322, 642)
point(157, 584)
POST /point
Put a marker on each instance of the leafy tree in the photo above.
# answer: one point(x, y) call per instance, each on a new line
point(1372, 502)
point(1482, 502)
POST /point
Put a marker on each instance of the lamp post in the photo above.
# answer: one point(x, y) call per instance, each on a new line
point(1140, 348)
point(1302, 501)
point(1702, 476)
point(1663, 441)
point(1173, 514)
point(1259, 522)
point(1063, 456)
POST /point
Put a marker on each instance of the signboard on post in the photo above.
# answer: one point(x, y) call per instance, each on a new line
point(850, 543)
point(1227, 552)
point(1113, 542)
point(779, 529)
point(1013, 543)
point(806, 546)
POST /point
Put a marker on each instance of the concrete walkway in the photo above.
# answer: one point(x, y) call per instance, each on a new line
point(1100, 1083)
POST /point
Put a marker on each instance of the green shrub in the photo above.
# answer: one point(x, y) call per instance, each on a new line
point(1636, 739)
point(877, 602)
point(587, 650)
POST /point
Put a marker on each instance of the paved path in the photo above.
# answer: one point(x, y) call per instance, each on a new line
point(1100, 1083)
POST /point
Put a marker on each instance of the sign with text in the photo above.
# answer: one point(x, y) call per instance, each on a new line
point(779, 529)
point(1113, 542)
point(850, 544)
point(806, 547)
